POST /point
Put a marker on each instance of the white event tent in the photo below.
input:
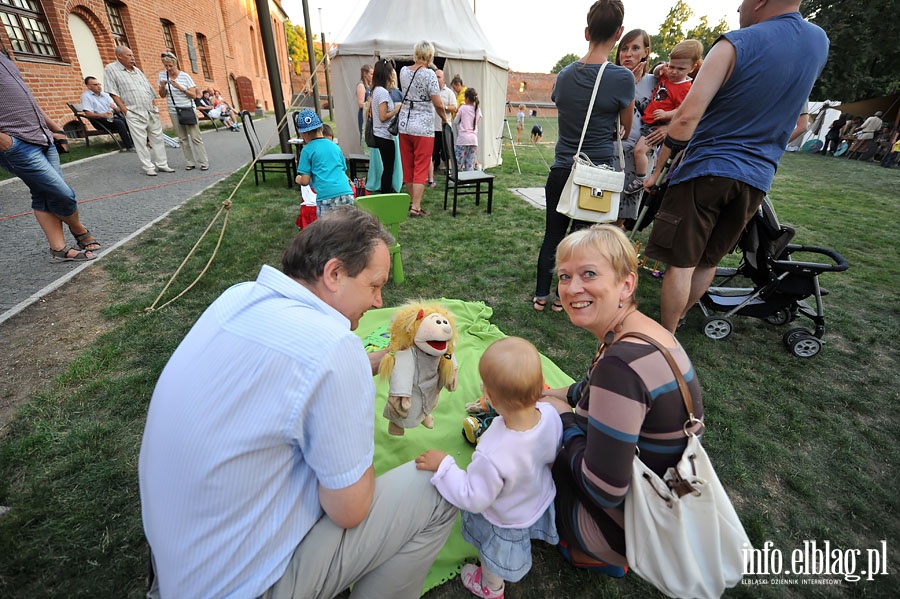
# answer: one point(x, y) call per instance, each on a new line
point(390, 29)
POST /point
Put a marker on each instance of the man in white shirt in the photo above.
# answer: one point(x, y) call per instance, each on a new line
point(255, 469)
point(131, 91)
point(865, 135)
point(99, 108)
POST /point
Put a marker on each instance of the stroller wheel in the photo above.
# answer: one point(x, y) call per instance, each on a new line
point(779, 317)
point(716, 327)
point(792, 335)
point(806, 346)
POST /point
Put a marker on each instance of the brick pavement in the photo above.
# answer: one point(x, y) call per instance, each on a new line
point(116, 201)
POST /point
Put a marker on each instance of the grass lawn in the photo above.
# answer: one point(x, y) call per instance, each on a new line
point(806, 448)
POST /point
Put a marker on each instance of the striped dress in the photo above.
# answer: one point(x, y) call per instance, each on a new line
point(629, 398)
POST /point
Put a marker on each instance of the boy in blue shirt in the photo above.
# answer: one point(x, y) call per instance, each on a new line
point(322, 165)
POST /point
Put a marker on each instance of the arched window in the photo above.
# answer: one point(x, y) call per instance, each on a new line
point(255, 49)
point(168, 30)
point(27, 29)
point(116, 25)
point(203, 53)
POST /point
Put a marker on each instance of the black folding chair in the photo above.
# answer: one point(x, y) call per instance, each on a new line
point(466, 182)
point(266, 162)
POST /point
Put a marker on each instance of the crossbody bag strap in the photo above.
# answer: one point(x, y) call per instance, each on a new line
point(409, 87)
point(587, 117)
point(619, 143)
point(679, 378)
point(172, 93)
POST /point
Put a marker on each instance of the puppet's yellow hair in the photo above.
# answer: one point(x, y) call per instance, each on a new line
point(404, 327)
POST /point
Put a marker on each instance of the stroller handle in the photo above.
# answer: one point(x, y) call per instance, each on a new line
point(840, 264)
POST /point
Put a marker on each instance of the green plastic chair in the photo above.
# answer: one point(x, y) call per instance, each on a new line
point(391, 209)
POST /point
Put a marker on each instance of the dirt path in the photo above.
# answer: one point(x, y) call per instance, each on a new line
point(41, 341)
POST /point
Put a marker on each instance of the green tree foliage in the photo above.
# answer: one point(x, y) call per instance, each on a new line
point(706, 34)
point(563, 63)
point(672, 31)
point(864, 58)
point(297, 48)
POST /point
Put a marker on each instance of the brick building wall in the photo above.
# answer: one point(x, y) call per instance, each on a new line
point(302, 83)
point(233, 48)
point(531, 89)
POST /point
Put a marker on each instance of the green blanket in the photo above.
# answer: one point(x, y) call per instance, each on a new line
point(475, 332)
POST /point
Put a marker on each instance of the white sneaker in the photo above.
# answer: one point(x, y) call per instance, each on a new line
point(150, 173)
point(165, 169)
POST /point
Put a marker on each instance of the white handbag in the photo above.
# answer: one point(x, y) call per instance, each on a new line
point(592, 192)
point(682, 534)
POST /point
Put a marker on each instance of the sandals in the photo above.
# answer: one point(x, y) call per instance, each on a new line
point(636, 185)
point(416, 212)
point(189, 168)
point(204, 168)
point(63, 255)
point(539, 304)
point(594, 566)
point(85, 240)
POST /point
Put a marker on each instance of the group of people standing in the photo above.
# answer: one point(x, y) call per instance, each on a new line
point(422, 106)
point(130, 92)
point(731, 138)
point(130, 96)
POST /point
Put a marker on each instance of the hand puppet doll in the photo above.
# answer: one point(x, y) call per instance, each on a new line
point(419, 364)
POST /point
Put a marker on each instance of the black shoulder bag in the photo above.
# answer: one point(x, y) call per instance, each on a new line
point(186, 114)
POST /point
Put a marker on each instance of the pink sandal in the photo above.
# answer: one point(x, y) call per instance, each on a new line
point(470, 575)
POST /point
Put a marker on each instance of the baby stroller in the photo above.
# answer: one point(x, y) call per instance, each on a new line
point(781, 284)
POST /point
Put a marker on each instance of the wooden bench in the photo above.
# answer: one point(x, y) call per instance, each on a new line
point(205, 117)
point(78, 129)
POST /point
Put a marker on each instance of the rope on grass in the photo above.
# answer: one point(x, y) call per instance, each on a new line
point(226, 207)
point(540, 155)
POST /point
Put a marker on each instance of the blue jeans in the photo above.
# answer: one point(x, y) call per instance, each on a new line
point(38, 167)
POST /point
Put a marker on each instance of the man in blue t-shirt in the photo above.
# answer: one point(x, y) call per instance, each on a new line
point(733, 127)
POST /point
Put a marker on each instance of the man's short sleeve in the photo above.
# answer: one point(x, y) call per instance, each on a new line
point(110, 81)
point(335, 430)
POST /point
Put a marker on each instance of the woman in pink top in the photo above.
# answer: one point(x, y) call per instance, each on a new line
point(467, 118)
